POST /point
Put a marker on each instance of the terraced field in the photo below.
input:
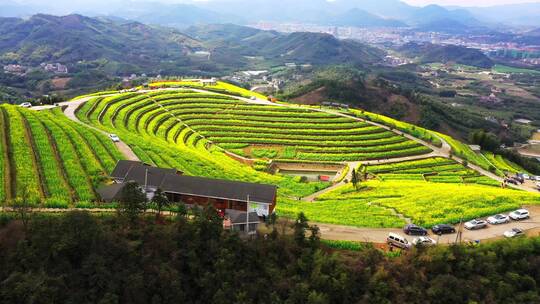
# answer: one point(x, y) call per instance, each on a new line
point(427, 191)
point(185, 118)
point(440, 170)
point(49, 159)
point(192, 131)
point(159, 137)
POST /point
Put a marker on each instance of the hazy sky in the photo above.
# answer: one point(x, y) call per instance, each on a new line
point(468, 2)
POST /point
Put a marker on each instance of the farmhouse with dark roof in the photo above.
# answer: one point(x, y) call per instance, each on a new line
point(191, 190)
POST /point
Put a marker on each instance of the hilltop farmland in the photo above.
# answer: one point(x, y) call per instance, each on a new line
point(226, 132)
point(222, 131)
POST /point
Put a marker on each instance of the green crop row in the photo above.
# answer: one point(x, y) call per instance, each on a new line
point(369, 132)
point(413, 164)
point(4, 159)
point(405, 127)
point(329, 144)
point(363, 156)
point(23, 168)
point(211, 106)
point(55, 185)
point(279, 125)
point(361, 140)
point(381, 147)
point(76, 174)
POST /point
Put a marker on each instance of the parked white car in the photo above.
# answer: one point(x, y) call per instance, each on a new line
point(498, 219)
point(515, 232)
point(424, 241)
point(475, 224)
point(519, 214)
point(25, 105)
point(114, 137)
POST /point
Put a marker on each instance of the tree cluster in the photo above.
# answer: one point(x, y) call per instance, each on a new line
point(80, 258)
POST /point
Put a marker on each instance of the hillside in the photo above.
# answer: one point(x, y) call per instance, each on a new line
point(428, 53)
point(74, 38)
point(300, 47)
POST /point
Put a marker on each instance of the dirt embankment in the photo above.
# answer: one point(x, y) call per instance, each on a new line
point(317, 96)
point(307, 167)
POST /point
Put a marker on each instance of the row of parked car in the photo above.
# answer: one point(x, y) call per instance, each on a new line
point(397, 240)
point(520, 178)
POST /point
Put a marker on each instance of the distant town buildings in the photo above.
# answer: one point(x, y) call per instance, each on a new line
point(56, 68)
point(395, 61)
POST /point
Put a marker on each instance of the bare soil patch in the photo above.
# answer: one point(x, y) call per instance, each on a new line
point(60, 83)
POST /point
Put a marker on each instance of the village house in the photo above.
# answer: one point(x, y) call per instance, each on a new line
point(492, 98)
point(14, 69)
point(231, 198)
point(209, 82)
point(56, 68)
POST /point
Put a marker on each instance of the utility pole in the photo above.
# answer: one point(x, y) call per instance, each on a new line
point(146, 183)
point(247, 215)
point(460, 231)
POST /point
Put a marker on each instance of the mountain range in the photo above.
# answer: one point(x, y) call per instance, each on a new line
point(128, 47)
point(364, 13)
point(302, 47)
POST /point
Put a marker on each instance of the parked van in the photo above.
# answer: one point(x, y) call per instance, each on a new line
point(397, 240)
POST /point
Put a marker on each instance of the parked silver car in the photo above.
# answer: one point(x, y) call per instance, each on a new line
point(424, 241)
point(397, 240)
point(475, 224)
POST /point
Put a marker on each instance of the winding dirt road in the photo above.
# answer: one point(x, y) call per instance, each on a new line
point(70, 109)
